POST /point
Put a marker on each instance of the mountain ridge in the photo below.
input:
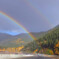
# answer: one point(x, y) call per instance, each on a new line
point(7, 40)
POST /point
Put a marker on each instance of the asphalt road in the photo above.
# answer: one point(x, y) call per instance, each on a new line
point(38, 57)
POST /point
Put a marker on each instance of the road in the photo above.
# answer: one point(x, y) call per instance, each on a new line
point(28, 56)
point(38, 57)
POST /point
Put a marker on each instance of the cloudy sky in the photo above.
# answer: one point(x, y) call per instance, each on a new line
point(34, 15)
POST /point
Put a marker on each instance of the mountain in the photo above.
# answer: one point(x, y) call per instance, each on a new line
point(4, 36)
point(7, 40)
point(48, 44)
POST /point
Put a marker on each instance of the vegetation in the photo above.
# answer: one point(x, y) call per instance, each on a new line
point(12, 50)
point(48, 44)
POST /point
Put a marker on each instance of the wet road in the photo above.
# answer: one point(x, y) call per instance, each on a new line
point(38, 57)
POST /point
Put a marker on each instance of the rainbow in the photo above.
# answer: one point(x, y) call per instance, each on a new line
point(39, 12)
point(20, 25)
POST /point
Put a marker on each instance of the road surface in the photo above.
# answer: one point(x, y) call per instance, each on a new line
point(38, 57)
point(24, 56)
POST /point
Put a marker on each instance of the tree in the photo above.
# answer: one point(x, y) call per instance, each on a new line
point(57, 48)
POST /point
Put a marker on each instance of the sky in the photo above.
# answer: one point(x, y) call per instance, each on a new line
point(34, 15)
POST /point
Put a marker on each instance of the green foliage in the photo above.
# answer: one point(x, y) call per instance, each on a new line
point(49, 40)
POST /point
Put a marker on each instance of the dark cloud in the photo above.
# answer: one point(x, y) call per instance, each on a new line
point(25, 14)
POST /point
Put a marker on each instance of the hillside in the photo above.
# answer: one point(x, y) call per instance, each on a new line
point(48, 44)
point(4, 36)
point(7, 40)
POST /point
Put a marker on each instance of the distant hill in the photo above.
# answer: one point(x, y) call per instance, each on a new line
point(49, 43)
point(7, 40)
point(4, 36)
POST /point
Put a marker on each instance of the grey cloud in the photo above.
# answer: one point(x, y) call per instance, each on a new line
point(26, 15)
